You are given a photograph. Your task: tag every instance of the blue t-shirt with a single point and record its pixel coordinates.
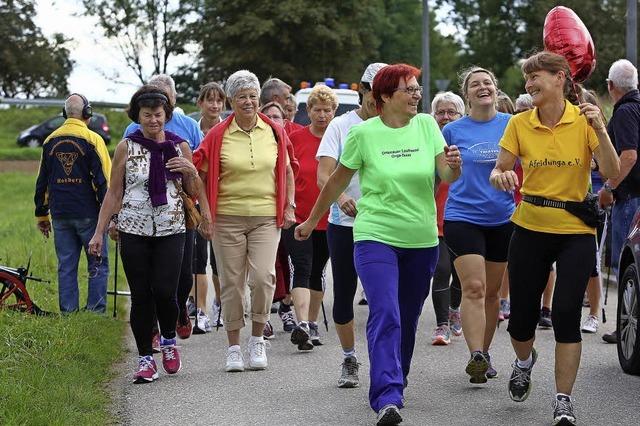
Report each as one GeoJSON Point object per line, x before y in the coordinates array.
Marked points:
{"type": "Point", "coordinates": [180, 124]}
{"type": "Point", "coordinates": [472, 198]}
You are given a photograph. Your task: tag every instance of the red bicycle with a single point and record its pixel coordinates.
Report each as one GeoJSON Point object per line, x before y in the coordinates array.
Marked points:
{"type": "Point", "coordinates": [13, 290]}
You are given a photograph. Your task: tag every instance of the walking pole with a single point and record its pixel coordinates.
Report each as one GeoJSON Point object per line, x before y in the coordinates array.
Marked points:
{"type": "Point", "coordinates": [196, 327]}
{"type": "Point", "coordinates": [602, 252]}
{"type": "Point", "coordinates": [115, 281]}
{"type": "Point", "coordinates": [324, 313]}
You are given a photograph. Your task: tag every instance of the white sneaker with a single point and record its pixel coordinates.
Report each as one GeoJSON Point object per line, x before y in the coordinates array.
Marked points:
{"type": "Point", "coordinates": [235, 362]}
{"type": "Point", "coordinates": [257, 354]}
{"type": "Point", "coordinates": [590, 324]}
{"type": "Point", "coordinates": [215, 314]}
{"type": "Point", "coordinates": [203, 321]}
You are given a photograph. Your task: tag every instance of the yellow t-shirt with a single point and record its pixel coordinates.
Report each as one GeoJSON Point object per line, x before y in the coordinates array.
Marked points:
{"type": "Point", "coordinates": [247, 171]}
{"type": "Point", "coordinates": [556, 164]}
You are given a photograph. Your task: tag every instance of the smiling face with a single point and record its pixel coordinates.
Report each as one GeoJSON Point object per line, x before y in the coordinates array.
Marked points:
{"type": "Point", "coordinates": [152, 120]}
{"type": "Point", "coordinates": [245, 103]}
{"type": "Point", "coordinates": [405, 99]}
{"type": "Point", "coordinates": [481, 90]}
{"type": "Point", "coordinates": [211, 106]}
{"type": "Point", "coordinates": [544, 86]}
{"type": "Point", "coordinates": [320, 114]}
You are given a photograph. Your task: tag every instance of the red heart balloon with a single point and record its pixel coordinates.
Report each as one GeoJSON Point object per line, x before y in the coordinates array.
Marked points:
{"type": "Point", "coordinates": [565, 34]}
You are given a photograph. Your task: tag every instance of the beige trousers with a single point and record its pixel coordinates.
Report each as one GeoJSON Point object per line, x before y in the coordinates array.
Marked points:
{"type": "Point", "coordinates": [245, 248]}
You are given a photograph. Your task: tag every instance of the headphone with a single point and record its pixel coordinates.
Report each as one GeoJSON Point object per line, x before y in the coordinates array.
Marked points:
{"type": "Point", "coordinates": [87, 112]}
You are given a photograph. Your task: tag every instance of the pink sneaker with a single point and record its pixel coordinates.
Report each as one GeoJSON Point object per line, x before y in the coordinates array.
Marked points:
{"type": "Point", "coordinates": [184, 326]}
{"type": "Point", "coordinates": [170, 356]}
{"type": "Point", "coordinates": [147, 370]}
{"type": "Point", "coordinates": [155, 342]}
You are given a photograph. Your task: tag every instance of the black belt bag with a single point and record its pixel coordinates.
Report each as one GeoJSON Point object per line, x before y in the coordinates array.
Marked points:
{"type": "Point", "coordinates": [588, 210]}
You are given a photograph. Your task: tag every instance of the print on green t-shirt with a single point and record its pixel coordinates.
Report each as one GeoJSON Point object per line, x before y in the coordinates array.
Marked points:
{"type": "Point", "coordinates": [397, 171]}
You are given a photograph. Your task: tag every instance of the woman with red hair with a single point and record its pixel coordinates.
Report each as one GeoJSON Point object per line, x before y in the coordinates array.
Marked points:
{"type": "Point", "coordinates": [397, 155]}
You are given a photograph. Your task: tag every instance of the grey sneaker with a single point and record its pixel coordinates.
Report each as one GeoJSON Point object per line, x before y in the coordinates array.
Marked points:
{"type": "Point", "coordinates": [520, 381]}
{"type": "Point", "coordinates": [314, 334]}
{"type": "Point", "coordinates": [491, 372]}
{"type": "Point", "coordinates": [300, 336]}
{"type": "Point", "coordinates": [590, 324]}
{"type": "Point", "coordinates": [477, 368]}
{"type": "Point", "coordinates": [389, 415]}
{"type": "Point", "coordinates": [563, 411]}
{"type": "Point", "coordinates": [349, 376]}
{"type": "Point", "coordinates": [545, 318]}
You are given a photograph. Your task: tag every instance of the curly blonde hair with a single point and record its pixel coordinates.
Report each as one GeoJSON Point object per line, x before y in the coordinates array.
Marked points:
{"type": "Point", "coordinates": [324, 94]}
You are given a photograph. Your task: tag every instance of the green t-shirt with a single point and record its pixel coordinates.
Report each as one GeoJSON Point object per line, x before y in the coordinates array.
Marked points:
{"type": "Point", "coordinates": [397, 171]}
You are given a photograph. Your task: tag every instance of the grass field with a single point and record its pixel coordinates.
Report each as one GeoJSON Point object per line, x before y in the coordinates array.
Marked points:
{"type": "Point", "coordinates": [53, 370]}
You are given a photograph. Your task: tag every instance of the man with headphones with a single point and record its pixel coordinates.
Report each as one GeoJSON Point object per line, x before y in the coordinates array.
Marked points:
{"type": "Point", "coordinates": [72, 182]}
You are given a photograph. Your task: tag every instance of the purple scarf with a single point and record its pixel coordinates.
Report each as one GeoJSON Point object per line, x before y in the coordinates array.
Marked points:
{"type": "Point", "coordinates": [161, 152]}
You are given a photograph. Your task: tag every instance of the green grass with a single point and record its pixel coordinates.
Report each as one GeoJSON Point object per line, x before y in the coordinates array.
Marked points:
{"type": "Point", "coordinates": [53, 370]}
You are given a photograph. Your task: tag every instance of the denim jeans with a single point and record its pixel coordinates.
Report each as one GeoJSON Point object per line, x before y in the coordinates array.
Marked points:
{"type": "Point", "coordinates": [70, 237]}
{"type": "Point", "coordinates": [621, 217]}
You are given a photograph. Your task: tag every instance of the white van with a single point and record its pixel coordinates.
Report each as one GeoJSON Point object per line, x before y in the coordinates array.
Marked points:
{"type": "Point", "coordinates": [347, 100]}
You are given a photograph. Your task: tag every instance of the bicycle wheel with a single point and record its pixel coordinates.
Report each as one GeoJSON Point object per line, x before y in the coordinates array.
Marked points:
{"type": "Point", "coordinates": [13, 294]}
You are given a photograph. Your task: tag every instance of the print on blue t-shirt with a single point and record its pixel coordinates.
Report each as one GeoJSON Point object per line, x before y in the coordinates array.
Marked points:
{"type": "Point", "coordinates": [472, 198]}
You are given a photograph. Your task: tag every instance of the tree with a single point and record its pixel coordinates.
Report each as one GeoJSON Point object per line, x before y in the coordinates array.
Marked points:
{"type": "Point", "coordinates": [139, 25]}
{"type": "Point", "coordinates": [296, 41]}
{"type": "Point", "coordinates": [30, 64]}
{"type": "Point", "coordinates": [497, 34]}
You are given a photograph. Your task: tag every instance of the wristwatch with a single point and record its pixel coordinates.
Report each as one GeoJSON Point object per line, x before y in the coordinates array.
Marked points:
{"type": "Point", "coordinates": [607, 187]}
{"type": "Point", "coordinates": [292, 205]}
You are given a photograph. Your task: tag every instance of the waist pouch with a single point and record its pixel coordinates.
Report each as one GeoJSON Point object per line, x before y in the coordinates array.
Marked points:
{"type": "Point", "coordinates": [587, 210]}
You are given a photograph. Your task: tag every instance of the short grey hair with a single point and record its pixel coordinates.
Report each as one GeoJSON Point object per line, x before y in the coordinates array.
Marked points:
{"type": "Point", "coordinates": [241, 80]}
{"type": "Point", "coordinates": [524, 102]}
{"type": "Point", "coordinates": [73, 106]}
{"type": "Point", "coordinates": [165, 82]}
{"type": "Point", "coordinates": [456, 100]}
{"type": "Point", "coordinates": [623, 75]}
{"type": "Point", "coordinates": [273, 86]}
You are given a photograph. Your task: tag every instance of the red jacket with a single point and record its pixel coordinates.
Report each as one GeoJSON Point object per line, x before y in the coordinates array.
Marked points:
{"type": "Point", "coordinates": [209, 150]}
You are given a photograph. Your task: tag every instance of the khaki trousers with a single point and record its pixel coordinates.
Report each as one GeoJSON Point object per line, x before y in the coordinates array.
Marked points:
{"type": "Point", "coordinates": [245, 248]}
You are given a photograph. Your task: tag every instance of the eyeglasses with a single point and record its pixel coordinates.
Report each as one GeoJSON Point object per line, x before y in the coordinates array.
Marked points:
{"type": "Point", "coordinates": [275, 117]}
{"type": "Point", "coordinates": [447, 112]}
{"type": "Point", "coordinates": [412, 90]}
{"type": "Point", "coordinates": [94, 265]}
{"type": "Point", "coordinates": [243, 98]}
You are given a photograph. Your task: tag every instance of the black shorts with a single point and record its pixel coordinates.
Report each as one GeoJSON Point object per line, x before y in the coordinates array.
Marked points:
{"type": "Point", "coordinates": [490, 242]}
{"type": "Point", "coordinates": [200, 255]}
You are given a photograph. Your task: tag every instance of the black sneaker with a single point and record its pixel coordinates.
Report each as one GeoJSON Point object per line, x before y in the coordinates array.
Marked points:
{"type": "Point", "coordinates": [389, 415]}
{"type": "Point", "coordinates": [349, 376]}
{"type": "Point", "coordinates": [610, 337]}
{"type": "Point", "coordinates": [545, 318]}
{"type": "Point", "coordinates": [520, 381]}
{"type": "Point", "coordinates": [491, 372]}
{"type": "Point", "coordinates": [286, 315]}
{"type": "Point", "coordinates": [300, 337]}
{"type": "Point", "coordinates": [477, 368]}
{"type": "Point", "coordinates": [563, 411]}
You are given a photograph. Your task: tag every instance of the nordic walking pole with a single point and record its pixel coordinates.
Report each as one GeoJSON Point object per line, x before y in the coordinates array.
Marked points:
{"type": "Point", "coordinates": [115, 280]}
{"type": "Point", "coordinates": [601, 251]}
{"type": "Point", "coordinates": [196, 327]}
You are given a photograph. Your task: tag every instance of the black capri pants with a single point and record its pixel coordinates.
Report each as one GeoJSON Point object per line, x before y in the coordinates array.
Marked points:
{"type": "Point", "coordinates": [490, 242]}
{"type": "Point", "coordinates": [152, 266]}
{"type": "Point", "coordinates": [345, 278]}
{"type": "Point", "coordinates": [531, 255]}
{"type": "Point", "coordinates": [200, 255]}
{"type": "Point", "coordinates": [309, 257]}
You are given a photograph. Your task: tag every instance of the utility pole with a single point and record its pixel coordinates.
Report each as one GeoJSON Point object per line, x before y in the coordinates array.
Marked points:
{"type": "Point", "coordinates": [632, 31]}
{"type": "Point", "coordinates": [426, 65]}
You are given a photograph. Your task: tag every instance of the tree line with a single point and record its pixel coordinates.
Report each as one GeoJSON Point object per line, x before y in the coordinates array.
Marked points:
{"type": "Point", "coordinates": [298, 40]}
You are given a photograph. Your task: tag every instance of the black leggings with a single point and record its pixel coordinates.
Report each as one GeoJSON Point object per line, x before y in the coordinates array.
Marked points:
{"type": "Point", "coordinates": [345, 278]}
{"type": "Point", "coordinates": [152, 266]}
{"type": "Point", "coordinates": [443, 294]}
{"type": "Point", "coordinates": [309, 259]}
{"type": "Point", "coordinates": [531, 255]}
{"type": "Point", "coordinates": [185, 282]}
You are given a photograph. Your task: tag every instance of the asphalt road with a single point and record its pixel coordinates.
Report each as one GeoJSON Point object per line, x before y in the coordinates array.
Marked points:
{"type": "Point", "coordinates": [300, 388]}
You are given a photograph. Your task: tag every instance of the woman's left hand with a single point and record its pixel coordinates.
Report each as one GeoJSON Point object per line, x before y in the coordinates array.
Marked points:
{"type": "Point", "coordinates": [206, 228]}
{"type": "Point", "coordinates": [182, 165]}
{"type": "Point", "coordinates": [289, 217]}
{"type": "Point", "coordinates": [593, 115]}
{"type": "Point", "coordinates": [452, 157]}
